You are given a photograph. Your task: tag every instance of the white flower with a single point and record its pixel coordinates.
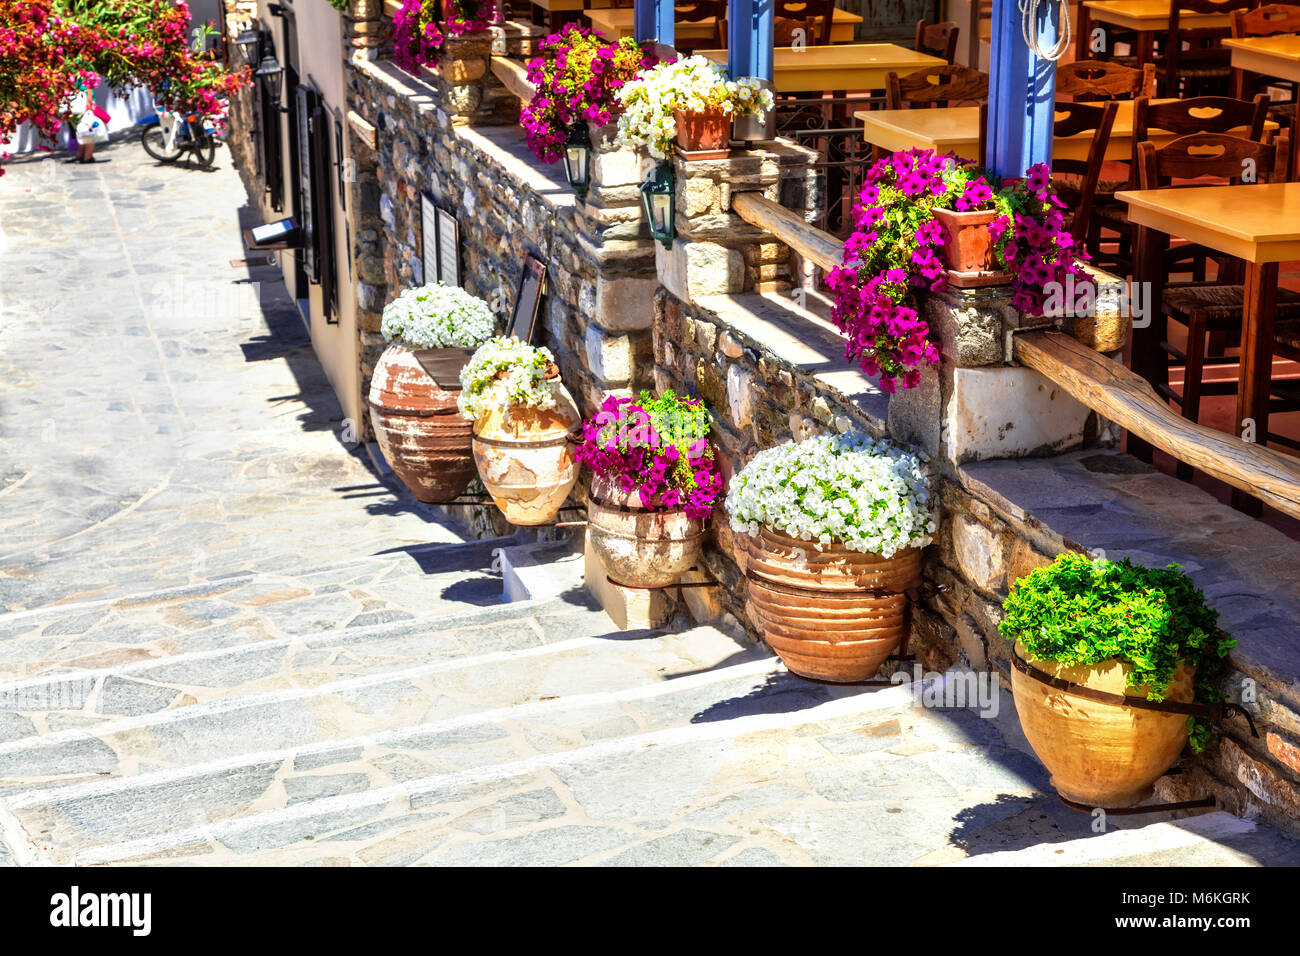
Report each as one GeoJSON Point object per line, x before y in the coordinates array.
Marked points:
{"type": "Point", "coordinates": [438, 316]}
{"type": "Point", "coordinates": [692, 85]}
{"type": "Point", "coordinates": [506, 372]}
{"type": "Point", "coordinates": [868, 494]}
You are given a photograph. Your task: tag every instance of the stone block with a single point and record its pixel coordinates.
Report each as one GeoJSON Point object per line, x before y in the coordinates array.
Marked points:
{"type": "Point", "coordinates": [740, 395]}
{"type": "Point", "coordinates": [617, 167]}
{"type": "Point", "coordinates": [692, 269]}
{"type": "Point", "coordinates": [625, 304]}
{"type": "Point", "coordinates": [608, 356]}
{"type": "Point", "coordinates": [1007, 413]}
{"type": "Point", "coordinates": [978, 549]}
{"type": "Point", "coordinates": [915, 416]}
{"type": "Point", "coordinates": [628, 608]}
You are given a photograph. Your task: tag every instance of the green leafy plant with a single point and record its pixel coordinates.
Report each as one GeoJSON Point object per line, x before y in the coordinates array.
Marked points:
{"type": "Point", "coordinates": [1080, 611]}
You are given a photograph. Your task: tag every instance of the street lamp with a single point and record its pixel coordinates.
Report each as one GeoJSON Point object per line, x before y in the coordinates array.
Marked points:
{"type": "Point", "coordinates": [250, 46]}
{"type": "Point", "coordinates": [270, 71]}
{"type": "Point", "coordinates": [659, 201]}
{"type": "Point", "coordinates": [577, 158]}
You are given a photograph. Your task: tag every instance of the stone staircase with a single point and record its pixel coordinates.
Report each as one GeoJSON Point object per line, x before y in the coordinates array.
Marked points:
{"type": "Point", "coordinates": [393, 710]}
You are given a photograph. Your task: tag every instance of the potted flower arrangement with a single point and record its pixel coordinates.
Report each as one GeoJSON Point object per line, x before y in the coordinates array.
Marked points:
{"type": "Point", "coordinates": [1126, 631]}
{"type": "Point", "coordinates": [690, 102]}
{"type": "Point", "coordinates": [653, 488]}
{"type": "Point", "coordinates": [923, 219]}
{"type": "Point", "coordinates": [525, 422]}
{"type": "Point", "coordinates": [415, 416]}
{"type": "Point", "coordinates": [419, 33]}
{"type": "Point", "coordinates": [832, 530]}
{"type": "Point", "coordinates": [576, 78]}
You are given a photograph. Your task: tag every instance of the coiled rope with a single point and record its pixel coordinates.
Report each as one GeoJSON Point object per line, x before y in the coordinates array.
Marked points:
{"type": "Point", "coordinates": [1029, 29]}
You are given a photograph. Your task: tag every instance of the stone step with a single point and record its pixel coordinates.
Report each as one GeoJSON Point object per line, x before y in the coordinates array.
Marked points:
{"type": "Point", "coordinates": [408, 585]}
{"type": "Point", "coordinates": [579, 653]}
{"type": "Point", "coordinates": [691, 754]}
{"type": "Point", "coordinates": [1209, 839]}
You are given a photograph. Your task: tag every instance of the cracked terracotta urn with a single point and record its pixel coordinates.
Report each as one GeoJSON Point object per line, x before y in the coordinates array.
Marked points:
{"type": "Point", "coordinates": [832, 615]}
{"type": "Point", "coordinates": [640, 547]}
{"type": "Point", "coordinates": [525, 457]}
{"type": "Point", "coordinates": [421, 434]}
{"type": "Point", "coordinates": [1099, 754]}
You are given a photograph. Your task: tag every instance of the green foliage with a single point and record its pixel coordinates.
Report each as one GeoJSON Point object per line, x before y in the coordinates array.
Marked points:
{"type": "Point", "coordinates": [1080, 611]}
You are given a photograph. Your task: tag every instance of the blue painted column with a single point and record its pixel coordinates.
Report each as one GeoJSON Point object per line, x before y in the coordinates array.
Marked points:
{"type": "Point", "coordinates": [749, 38]}
{"type": "Point", "coordinates": [653, 21]}
{"type": "Point", "coordinates": [1022, 90]}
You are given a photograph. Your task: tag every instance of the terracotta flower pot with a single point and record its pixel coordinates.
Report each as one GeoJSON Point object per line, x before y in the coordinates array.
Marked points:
{"type": "Point", "coordinates": [832, 615]}
{"type": "Point", "coordinates": [640, 547]}
{"type": "Point", "coordinates": [968, 250]}
{"type": "Point", "coordinates": [525, 458]}
{"type": "Point", "coordinates": [1099, 754]}
{"type": "Point", "coordinates": [418, 428]}
{"type": "Point", "coordinates": [703, 133]}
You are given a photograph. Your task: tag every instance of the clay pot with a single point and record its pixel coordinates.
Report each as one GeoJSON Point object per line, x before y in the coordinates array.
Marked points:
{"type": "Point", "coordinates": [422, 435]}
{"type": "Point", "coordinates": [703, 133]}
{"type": "Point", "coordinates": [968, 251]}
{"type": "Point", "coordinates": [525, 458]}
{"type": "Point", "coordinates": [834, 614]}
{"type": "Point", "coordinates": [640, 547]}
{"type": "Point", "coordinates": [1099, 755]}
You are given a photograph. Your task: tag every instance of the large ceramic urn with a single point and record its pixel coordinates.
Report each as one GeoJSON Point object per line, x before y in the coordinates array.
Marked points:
{"type": "Point", "coordinates": [419, 430]}
{"type": "Point", "coordinates": [834, 614]}
{"type": "Point", "coordinates": [1100, 754]}
{"type": "Point", "coordinates": [637, 546]}
{"type": "Point", "coordinates": [525, 457]}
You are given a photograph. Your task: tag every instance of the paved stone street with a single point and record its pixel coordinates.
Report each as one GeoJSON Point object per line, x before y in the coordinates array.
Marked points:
{"type": "Point", "coordinates": [224, 641]}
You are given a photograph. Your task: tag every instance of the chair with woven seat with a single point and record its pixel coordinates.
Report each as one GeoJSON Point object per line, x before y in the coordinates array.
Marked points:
{"type": "Point", "coordinates": [1075, 180]}
{"type": "Point", "coordinates": [1272, 19]}
{"type": "Point", "coordinates": [697, 11]}
{"type": "Point", "coordinates": [937, 39]}
{"type": "Point", "coordinates": [1207, 308]}
{"type": "Point", "coordinates": [1206, 65]}
{"type": "Point", "coordinates": [933, 87]}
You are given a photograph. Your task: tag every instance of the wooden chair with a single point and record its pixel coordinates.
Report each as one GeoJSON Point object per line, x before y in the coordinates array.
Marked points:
{"type": "Point", "coordinates": [697, 11]}
{"type": "Point", "coordinates": [937, 39]}
{"type": "Point", "coordinates": [1075, 180]}
{"type": "Point", "coordinates": [1206, 308]}
{"type": "Point", "coordinates": [1090, 81]}
{"type": "Point", "coordinates": [936, 86]}
{"type": "Point", "coordinates": [1270, 20]}
{"type": "Point", "coordinates": [814, 17]}
{"type": "Point", "coordinates": [1205, 65]}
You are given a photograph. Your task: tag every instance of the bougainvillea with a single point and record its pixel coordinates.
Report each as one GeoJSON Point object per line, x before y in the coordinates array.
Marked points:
{"type": "Point", "coordinates": [576, 78]}
{"type": "Point", "coordinates": [657, 447]}
{"type": "Point", "coordinates": [896, 248]}
{"type": "Point", "coordinates": [420, 29]}
{"type": "Point", "coordinates": [51, 49]}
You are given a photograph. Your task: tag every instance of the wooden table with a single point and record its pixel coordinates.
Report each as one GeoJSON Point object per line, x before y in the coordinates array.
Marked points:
{"type": "Point", "coordinates": [955, 129]}
{"type": "Point", "coordinates": [1258, 223]}
{"type": "Point", "coordinates": [1272, 56]}
{"type": "Point", "coordinates": [616, 23]}
{"type": "Point", "coordinates": [1146, 18]}
{"type": "Point", "coordinates": [844, 66]}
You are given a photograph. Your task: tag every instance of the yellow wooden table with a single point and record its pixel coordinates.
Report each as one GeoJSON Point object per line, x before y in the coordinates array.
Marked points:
{"type": "Point", "coordinates": [1272, 56]}
{"type": "Point", "coordinates": [1258, 223]}
{"type": "Point", "coordinates": [616, 23]}
{"type": "Point", "coordinates": [1146, 18]}
{"type": "Point", "coordinates": [956, 129]}
{"type": "Point", "coordinates": [843, 66]}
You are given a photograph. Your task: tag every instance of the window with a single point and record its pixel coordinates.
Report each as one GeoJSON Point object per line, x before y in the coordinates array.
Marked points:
{"type": "Point", "coordinates": [316, 195]}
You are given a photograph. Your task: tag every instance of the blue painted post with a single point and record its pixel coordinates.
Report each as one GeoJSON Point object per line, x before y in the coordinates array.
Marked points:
{"type": "Point", "coordinates": [653, 21]}
{"type": "Point", "coordinates": [749, 38]}
{"type": "Point", "coordinates": [1022, 90]}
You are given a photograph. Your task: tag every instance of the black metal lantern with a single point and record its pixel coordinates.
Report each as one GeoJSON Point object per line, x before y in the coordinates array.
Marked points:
{"type": "Point", "coordinates": [659, 201]}
{"type": "Point", "coordinates": [577, 158]}
{"type": "Point", "coordinates": [250, 46]}
{"type": "Point", "coordinates": [270, 71]}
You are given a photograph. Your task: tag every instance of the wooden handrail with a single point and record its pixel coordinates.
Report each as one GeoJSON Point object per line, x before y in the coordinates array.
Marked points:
{"type": "Point", "coordinates": [514, 77]}
{"type": "Point", "coordinates": [820, 248]}
{"type": "Point", "coordinates": [1129, 401]}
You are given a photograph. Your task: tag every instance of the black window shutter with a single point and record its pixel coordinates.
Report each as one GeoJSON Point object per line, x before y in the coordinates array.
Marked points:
{"type": "Point", "coordinates": [272, 150]}
{"type": "Point", "coordinates": [306, 108]}
{"type": "Point", "coordinates": [323, 214]}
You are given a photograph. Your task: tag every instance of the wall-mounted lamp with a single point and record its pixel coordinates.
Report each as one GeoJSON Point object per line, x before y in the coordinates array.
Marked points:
{"type": "Point", "coordinates": [659, 201]}
{"type": "Point", "coordinates": [577, 158]}
{"type": "Point", "coordinates": [270, 72]}
{"type": "Point", "coordinates": [250, 46]}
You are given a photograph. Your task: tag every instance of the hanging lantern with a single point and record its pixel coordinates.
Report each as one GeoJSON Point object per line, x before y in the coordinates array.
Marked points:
{"type": "Point", "coordinates": [250, 46]}
{"type": "Point", "coordinates": [271, 72]}
{"type": "Point", "coordinates": [577, 158]}
{"type": "Point", "coordinates": [659, 201]}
